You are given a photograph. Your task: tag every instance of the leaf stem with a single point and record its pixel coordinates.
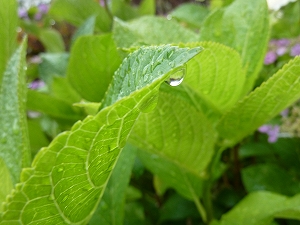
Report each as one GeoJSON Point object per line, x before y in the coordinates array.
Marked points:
{"type": "Point", "coordinates": [200, 209]}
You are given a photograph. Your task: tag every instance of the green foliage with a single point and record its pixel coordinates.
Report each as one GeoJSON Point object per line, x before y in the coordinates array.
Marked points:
{"type": "Point", "coordinates": [244, 26]}
{"type": "Point", "coordinates": [143, 119]}
{"type": "Point", "coordinates": [8, 32]}
{"type": "Point", "coordinates": [74, 169]}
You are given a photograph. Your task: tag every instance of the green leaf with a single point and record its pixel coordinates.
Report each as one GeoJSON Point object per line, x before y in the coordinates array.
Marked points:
{"type": "Point", "coordinates": [6, 182]}
{"type": "Point", "coordinates": [261, 208]}
{"type": "Point", "coordinates": [77, 12]}
{"type": "Point", "coordinates": [63, 90]}
{"type": "Point", "coordinates": [287, 24]}
{"type": "Point", "coordinates": [14, 148]}
{"type": "Point", "coordinates": [124, 10]}
{"type": "Point", "coordinates": [52, 106]}
{"type": "Point", "coordinates": [269, 177]}
{"type": "Point", "coordinates": [147, 7]}
{"type": "Point", "coordinates": [191, 14]}
{"type": "Point", "coordinates": [150, 30]}
{"type": "Point", "coordinates": [244, 26]}
{"type": "Point", "coordinates": [8, 32]}
{"type": "Point", "coordinates": [176, 143]}
{"type": "Point", "coordinates": [176, 208]}
{"type": "Point", "coordinates": [68, 178]}
{"type": "Point", "coordinates": [265, 102]}
{"type": "Point", "coordinates": [216, 75]}
{"type": "Point", "coordinates": [93, 61]}
{"type": "Point", "coordinates": [87, 28]}
{"type": "Point", "coordinates": [110, 210]}
{"type": "Point", "coordinates": [52, 40]}
{"type": "Point", "coordinates": [53, 64]}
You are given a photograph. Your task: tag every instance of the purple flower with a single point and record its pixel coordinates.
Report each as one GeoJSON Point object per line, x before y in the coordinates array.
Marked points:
{"type": "Point", "coordinates": [285, 113]}
{"type": "Point", "coordinates": [295, 50]}
{"type": "Point", "coordinates": [283, 42]}
{"type": "Point", "coordinates": [270, 58]}
{"type": "Point", "coordinates": [36, 84]}
{"type": "Point", "coordinates": [43, 8]}
{"type": "Point", "coordinates": [271, 131]}
{"type": "Point", "coordinates": [281, 51]}
{"type": "Point", "coordinates": [22, 12]}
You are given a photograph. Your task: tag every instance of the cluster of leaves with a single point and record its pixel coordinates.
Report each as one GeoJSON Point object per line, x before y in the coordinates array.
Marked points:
{"type": "Point", "coordinates": [125, 124]}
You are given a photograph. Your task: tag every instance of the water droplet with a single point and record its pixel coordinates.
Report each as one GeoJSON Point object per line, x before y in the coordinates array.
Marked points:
{"type": "Point", "coordinates": [177, 76]}
{"type": "Point", "coordinates": [149, 104]}
{"type": "Point", "coordinates": [169, 17]}
{"type": "Point", "coordinates": [172, 64]}
{"type": "Point", "coordinates": [65, 198]}
{"type": "Point", "coordinates": [15, 127]}
{"type": "Point", "coordinates": [60, 169]}
{"type": "Point", "coordinates": [19, 187]}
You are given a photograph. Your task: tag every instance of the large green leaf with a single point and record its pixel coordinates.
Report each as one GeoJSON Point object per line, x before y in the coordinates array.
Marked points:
{"type": "Point", "coordinates": [265, 102]}
{"type": "Point", "coordinates": [150, 30]}
{"type": "Point", "coordinates": [110, 210]}
{"type": "Point", "coordinates": [14, 148]}
{"type": "Point", "coordinates": [261, 207]}
{"type": "Point", "coordinates": [77, 12]}
{"type": "Point", "coordinates": [93, 61]}
{"type": "Point", "coordinates": [244, 26]}
{"type": "Point", "coordinates": [8, 32]}
{"type": "Point", "coordinates": [67, 179]}
{"type": "Point", "coordinates": [216, 75]}
{"type": "Point", "coordinates": [176, 143]}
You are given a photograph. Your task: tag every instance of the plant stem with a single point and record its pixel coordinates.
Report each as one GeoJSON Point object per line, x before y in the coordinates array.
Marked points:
{"type": "Point", "coordinates": [200, 209]}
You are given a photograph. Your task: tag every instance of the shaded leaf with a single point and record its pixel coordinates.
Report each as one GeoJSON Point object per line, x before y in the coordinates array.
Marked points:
{"type": "Point", "coordinates": [261, 208]}
{"type": "Point", "coordinates": [269, 177]}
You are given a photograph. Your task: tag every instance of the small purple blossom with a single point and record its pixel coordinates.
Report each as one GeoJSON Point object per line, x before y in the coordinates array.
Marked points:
{"type": "Point", "coordinates": [270, 57]}
{"type": "Point", "coordinates": [36, 84]}
{"type": "Point", "coordinates": [295, 50]}
{"type": "Point", "coordinates": [43, 8]}
{"type": "Point", "coordinates": [281, 51]}
{"type": "Point", "coordinates": [285, 113]}
{"type": "Point", "coordinates": [283, 42]}
{"type": "Point", "coordinates": [271, 130]}
{"type": "Point", "coordinates": [22, 12]}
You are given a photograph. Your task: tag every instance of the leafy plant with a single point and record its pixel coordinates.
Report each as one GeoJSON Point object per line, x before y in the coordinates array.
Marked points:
{"type": "Point", "coordinates": [140, 99]}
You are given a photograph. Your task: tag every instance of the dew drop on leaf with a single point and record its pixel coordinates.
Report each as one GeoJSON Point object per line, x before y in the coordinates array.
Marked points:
{"type": "Point", "coordinates": [177, 76]}
{"type": "Point", "coordinates": [60, 169]}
